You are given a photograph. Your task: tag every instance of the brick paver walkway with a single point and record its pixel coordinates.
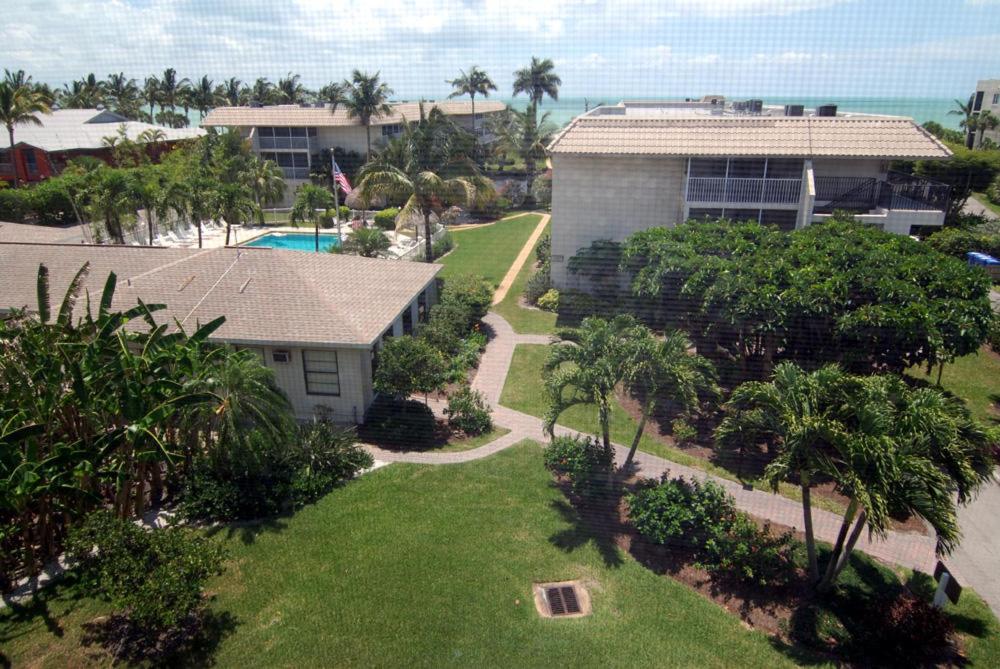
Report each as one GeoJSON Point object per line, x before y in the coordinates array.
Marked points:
{"type": "Point", "coordinates": [912, 550]}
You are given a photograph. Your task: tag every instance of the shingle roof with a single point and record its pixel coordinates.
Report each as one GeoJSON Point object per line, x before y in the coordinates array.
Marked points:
{"type": "Point", "coordinates": [267, 295]}
{"type": "Point", "coordinates": [41, 234]}
{"type": "Point", "coordinates": [297, 116]}
{"type": "Point", "coordinates": [805, 137]}
{"type": "Point", "coordinates": [68, 129]}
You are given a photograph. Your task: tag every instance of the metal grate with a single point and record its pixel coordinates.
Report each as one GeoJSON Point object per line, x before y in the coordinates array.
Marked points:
{"type": "Point", "coordinates": [562, 600]}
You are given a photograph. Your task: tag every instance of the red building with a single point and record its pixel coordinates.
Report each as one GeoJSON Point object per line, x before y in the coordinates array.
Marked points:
{"type": "Point", "coordinates": [41, 151]}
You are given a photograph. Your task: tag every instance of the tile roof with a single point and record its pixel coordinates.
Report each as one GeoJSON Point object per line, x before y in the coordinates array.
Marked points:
{"type": "Point", "coordinates": [42, 234]}
{"type": "Point", "coordinates": [68, 129]}
{"type": "Point", "coordinates": [298, 116]}
{"type": "Point", "coordinates": [267, 295]}
{"type": "Point", "coordinates": [805, 137]}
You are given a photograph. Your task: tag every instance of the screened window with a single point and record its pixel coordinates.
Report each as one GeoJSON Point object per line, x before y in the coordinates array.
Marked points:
{"type": "Point", "coordinates": [283, 138]}
{"type": "Point", "coordinates": [322, 373]}
{"type": "Point", "coordinates": [422, 306]}
{"type": "Point", "coordinates": [294, 165]}
{"type": "Point", "coordinates": [784, 168]}
{"type": "Point", "coordinates": [708, 167]}
{"type": "Point", "coordinates": [407, 321]}
{"type": "Point", "coordinates": [391, 129]}
{"type": "Point", "coordinates": [746, 168]}
{"type": "Point", "coordinates": [30, 161]}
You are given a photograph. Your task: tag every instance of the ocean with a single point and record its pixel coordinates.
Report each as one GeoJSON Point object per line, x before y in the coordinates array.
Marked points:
{"type": "Point", "coordinates": [920, 110]}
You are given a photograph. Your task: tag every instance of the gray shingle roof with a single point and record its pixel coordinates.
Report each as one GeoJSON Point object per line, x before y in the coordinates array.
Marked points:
{"type": "Point", "coordinates": [800, 137]}
{"type": "Point", "coordinates": [68, 129]}
{"type": "Point", "coordinates": [41, 234]}
{"type": "Point", "coordinates": [297, 116]}
{"type": "Point", "coordinates": [266, 295]}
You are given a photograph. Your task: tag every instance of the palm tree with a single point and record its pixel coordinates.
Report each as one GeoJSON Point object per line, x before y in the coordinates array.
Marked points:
{"type": "Point", "coordinates": [587, 368]}
{"type": "Point", "coordinates": [265, 180]}
{"type": "Point", "coordinates": [110, 197]}
{"type": "Point", "coordinates": [524, 134]}
{"type": "Point", "coordinates": [964, 109]}
{"type": "Point", "coordinates": [123, 94]}
{"type": "Point", "coordinates": [365, 242]}
{"type": "Point", "coordinates": [311, 202]}
{"type": "Point", "coordinates": [367, 98]}
{"type": "Point", "coordinates": [290, 90]}
{"type": "Point", "coordinates": [20, 104]}
{"type": "Point", "coordinates": [231, 91]}
{"type": "Point", "coordinates": [333, 94]}
{"type": "Point", "coordinates": [798, 412]}
{"type": "Point", "coordinates": [151, 95]}
{"type": "Point", "coordinates": [538, 80]}
{"type": "Point", "coordinates": [475, 82]}
{"type": "Point", "coordinates": [985, 121]}
{"type": "Point", "coordinates": [262, 91]}
{"type": "Point", "coordinates": [204, 96]}
{"type": "Point", "coordinates": [86, 93]}
{"type": "Point", "coordinates": [147, 185]}
{"type": "Point", "coordinates": [428, 170]}
{"type": "Point", "coordinates": [234, 203]}
{"type": "Point", "coordinates": [172, 88]}
{"type": "Point", "coordinates": [658, 371]}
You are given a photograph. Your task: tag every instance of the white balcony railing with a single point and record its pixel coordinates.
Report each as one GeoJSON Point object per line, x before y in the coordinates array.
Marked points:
{"type": "Point", "coordinates": [743, 190]}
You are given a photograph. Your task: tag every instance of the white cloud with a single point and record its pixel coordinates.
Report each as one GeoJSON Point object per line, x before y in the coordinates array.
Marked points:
{"type": "Point", "coordinates": [783, 58]}
{"type": "Point", "coordinates": [736, 8]}
{"type": "Point", "coordinates": [706, 59]}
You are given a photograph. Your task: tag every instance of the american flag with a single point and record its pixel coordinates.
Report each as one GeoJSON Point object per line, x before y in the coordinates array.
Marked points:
{"type": "Point", "coordinates": [341, 179]}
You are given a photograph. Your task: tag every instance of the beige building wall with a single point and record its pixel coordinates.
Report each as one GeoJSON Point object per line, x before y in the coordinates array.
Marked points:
{"type": "Point", "coordinates": [610, 198]}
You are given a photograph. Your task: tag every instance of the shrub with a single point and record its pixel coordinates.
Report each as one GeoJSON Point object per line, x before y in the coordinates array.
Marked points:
{"type": "Point", "coordinates": [515, 193]}
{"type": "Point", "coordinates": [408, 365]}
{"type": "Point", "coordinates": [469, 411]}
{"type": "Point", "coordinates": [324, 456]}
{"type": "Point", "coordinates": [13, 205]}
{"type": "Point", "coordinates": [326, 221]}
{"type": "Point", "coordinates": [472, 291]}
{"type": "Point", "coordinates": [465, 356]}
{"type": "Point", "coordinates": [582, 460]}
{"type": "Point", "coordinates": [153, 578]}
{"type": "Point", "coordinates": [993, 192]}
{"type": "Point", "coordinates": [344, 212]}
{"type": "Point", "coordinates": [400, 423]}
{"type": "Point", "coordinates": [443, 245]}
{"type": "Point", "coordinates": [447, 327]}
{"type": "Point", "coordinates": [538, 284]}
{"type": "Point", "coordinates": [386, 219]}
{"type": "Point", "coordinates": [957, 242]}
{"type": "Point", "coordinates": [703, 518]}
{"type": "Point", "coordinates": [549, 301]}
{"type": "Point", "coordinates": [904, 631]}
{"type": "Point", "coordinates": [543, 251]}
{"type": "Point", "coordinates": [993, 336]}
{"type": "Point", "coordinates": [542, 191]}
{"type": "Point", "coordinates": [683, 432]}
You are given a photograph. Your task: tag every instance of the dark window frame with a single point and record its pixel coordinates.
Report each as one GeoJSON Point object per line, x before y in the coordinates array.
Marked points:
{"type": "Point", "coordinates": [306, 372]}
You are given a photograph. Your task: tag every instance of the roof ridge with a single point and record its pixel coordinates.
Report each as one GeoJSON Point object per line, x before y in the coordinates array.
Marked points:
{"type": "Point", "coordinates": [183, 259]}
{"type": "Point", "coordinates": [293, 263]}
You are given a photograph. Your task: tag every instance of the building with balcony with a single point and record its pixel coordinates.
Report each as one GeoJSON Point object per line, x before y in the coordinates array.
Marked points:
{"type": "Point", "coordinates": [41, 151]}
{"type": "Point", "coordinates": [624, 168]}
{"type": "Point", "coordinates": [293, 136]}
{"type": "Point", "coordinates": [987, 99]}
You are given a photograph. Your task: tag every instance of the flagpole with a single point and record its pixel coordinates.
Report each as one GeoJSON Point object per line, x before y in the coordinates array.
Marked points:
{"type": "Point", "coordinates": [336, 199]}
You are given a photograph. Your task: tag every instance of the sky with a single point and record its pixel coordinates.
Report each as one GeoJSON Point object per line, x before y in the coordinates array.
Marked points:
{"type": "Point", "coordinates": [640, 48]}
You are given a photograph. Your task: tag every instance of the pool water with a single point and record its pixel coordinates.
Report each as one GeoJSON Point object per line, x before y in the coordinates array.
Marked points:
{"type": "Point", "coordinates": [295, 241]}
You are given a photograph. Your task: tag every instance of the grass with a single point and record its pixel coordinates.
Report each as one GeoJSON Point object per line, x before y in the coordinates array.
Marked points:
{"type": "Point", "coordinates": [490, 250]}
{"type": "Point", "coordinates": [424, 566]}
{"type": "Point", "coordinates": [976, 379]}
{"type": "Point", "coordinates": [986, 202]}
{"type": "Point", "coordinates": [469, 443]}
{"type": "Point", "coordinates": [526, 321]}
{"type": "Point", "coordinates": [524, 391]}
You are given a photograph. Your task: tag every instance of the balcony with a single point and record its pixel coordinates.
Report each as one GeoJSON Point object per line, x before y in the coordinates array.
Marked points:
{"type": "Point", "coordinates": [743, 190]}
{"type": "Point", "coordinates": [283, 142]}
{"type": "Point", "coordinates": [899, 191]}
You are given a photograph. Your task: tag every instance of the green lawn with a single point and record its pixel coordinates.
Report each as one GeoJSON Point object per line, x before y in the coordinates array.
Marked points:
{"type": "Point", "coordinates": [976, 379]}
{"type": "Point", "coordinates": [525, 321]}
{"type": "Point", "coordinates": [423, 566]}
{"type": "Point", "coordinates": [524, 390]}
{"type": "Point", "coordinates": [490, 250]}
{"type": "Point", "coordinates": [469, 443]}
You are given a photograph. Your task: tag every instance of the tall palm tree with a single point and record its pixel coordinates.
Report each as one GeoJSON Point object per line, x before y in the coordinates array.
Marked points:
{"type": "Point", "coordinates": [524, 134]}
{"type": "Point", "coordinates": [587, 368]}
{"type": "Point", "coordinates": [658, 371]}
{"type": "Point", "coordinates": [171, 88]}
{"type": "Point", "coordinates": [231, 91]}
{"type": "Point", "coordinates": [311, 202]}
{"type": "Point", "coordinates": [475, 82]}
{"type": "Point", "coordinates": [20, 104]}
{"type": "Point", "coordinates": [86, 93]}
{"type": "Point", "coordinates": [985, 121]}
{"type": "Point", "coordinates": [333, 94]}
{"type": "Point", "coordinates": [110, 197]}
{"type": "Point", "coordinates": [123, 95]}
{"type": "Point", "coordinates": [964, 109]}
{"type": "Point", "coordinates": [147, 185]}
{"type": "Point", "coordinates": [262, 91]}
{"type": "Point", "coordinates": [151, 95]}
{"type": "Point", "coordinates": [428, 170]}
{"type": "Point", "coordinates": [290, 90]}
{"type": "Point", "coordinates": [367, 98]}
{"type": "Point", "coordinates": [234, 203]}
{"type": "Point", "coordinates": [265, 180]}
{"type": "Point", "coordinates": [204, 96]}
{"type": "Point", "coordinates": [538, 80]}
{"type": "Point", "coordinates": [798, 412]}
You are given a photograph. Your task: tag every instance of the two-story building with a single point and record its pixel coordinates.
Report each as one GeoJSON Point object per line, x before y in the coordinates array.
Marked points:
{"type": "Point", "coordinates": [624, 168]}
{"type": "Point", "coordinates": [293, 136]}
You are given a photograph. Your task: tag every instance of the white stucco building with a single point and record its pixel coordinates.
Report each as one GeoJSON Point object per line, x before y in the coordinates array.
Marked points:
{"type": "Point", "coordinates": [294, 135]}
{"type": "Point", "coordinates": [987, 98]}
{"type": "Point", "coordinates": [316, 319]}
{"type": "Point", "coordinates": [624, 168]}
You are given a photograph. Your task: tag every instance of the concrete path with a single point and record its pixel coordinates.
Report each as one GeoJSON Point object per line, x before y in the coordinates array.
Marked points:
{"type": "Point", "coordinates": [974, 206]}
{"type": "Point", "coordinates": [906, 549]}
{"type": "Point", "coordinates": [522, 257]}
{"type": "Point", "coordinates": [976, 561]}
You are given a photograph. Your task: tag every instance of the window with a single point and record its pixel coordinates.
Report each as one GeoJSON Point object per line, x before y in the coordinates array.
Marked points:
{"type": "Point", "coordinates": [996, 98]}
{"type": "Point", "coordinates": [784, 168]}
{"type": "Point", "coordinates": [30, 161]}
{"type": "Point", "coordinates": [407, 321]}
{"type": "Point", "coordinates": [322, 373]}
{"type": "Point", "coordinates": [284, 138]}
{"type": "Point", "coordinates": [746, 168]}
{"type": "Point", "coordinates": [708, 167]}
{"type": "Point", "coordinates": [295, 165]}
{"type": "Point", "coordinates": [979, 101]}
{"type": "Point", "coordinates": [422, 306]}
{"type": "Point", "coordinates": [391, 129]}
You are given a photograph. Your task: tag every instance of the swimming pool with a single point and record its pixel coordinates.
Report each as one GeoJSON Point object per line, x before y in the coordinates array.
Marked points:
{"type": "Point", "coordinates": [295, 241]}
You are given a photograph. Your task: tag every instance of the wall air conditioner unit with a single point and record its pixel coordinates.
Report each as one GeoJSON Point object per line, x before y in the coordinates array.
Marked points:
{"type": "Point", "coordinates": [281, 355]}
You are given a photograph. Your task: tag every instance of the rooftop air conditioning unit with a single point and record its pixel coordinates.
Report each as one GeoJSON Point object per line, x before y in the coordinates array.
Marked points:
{"type": "Point", "coordinates": [794, 110]}
{"type": "Point", "coordinates": [281, 355]}
{"type": "Point", "coordinates": [826, 110]}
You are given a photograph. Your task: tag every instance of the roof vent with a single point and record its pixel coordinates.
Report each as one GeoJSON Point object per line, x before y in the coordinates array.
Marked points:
{"type": "Point", "coordinates": [794, 110]}
{"type": "Point", "coordinates": [565, 599]}
{"type": "Point", "coordinates": [826, 110]}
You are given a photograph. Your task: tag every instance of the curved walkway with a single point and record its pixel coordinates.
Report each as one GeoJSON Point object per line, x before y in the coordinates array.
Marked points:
{"type": "Point", "coordinates": [910, 550]}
